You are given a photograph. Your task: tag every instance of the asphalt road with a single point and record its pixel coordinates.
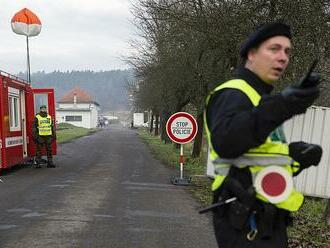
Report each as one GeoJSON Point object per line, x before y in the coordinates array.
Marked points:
{"type": "Point", "coordinates": [106, 191]}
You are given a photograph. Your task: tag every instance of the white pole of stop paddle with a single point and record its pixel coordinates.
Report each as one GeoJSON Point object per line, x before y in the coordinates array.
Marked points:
{"type": "Point", "coordinates": [181, 161]}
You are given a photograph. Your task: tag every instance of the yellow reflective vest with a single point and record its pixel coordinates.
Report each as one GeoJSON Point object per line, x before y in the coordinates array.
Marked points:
{"type": "Point", "coordinates": [44, 125]}
{"type": "Point", "coordinates": [268, 153]}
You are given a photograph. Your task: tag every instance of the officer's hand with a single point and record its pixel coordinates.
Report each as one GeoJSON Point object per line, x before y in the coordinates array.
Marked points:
{"type": "Point", "coordinates": [298, 99]}
{"type": "Point", "coordinates": [313, 80]}
{"type": "Point", "coordinates": [306, 154]}
{"type": "Point", "coordinates": [245, 195]}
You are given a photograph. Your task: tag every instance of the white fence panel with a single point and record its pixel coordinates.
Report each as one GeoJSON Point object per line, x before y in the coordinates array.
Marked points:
{"type": "Point", "coordinates": [313, 127]}
{"type": "Point", "coordinates": [138, 119]}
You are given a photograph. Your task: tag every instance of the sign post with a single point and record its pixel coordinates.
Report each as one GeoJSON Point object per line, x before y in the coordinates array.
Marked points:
{"type": "Point", "coordinates": [181, 128]}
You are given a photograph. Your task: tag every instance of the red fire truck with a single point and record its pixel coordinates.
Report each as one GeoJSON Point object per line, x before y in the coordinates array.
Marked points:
{"type": "Point", "coordinates": [19, 103]}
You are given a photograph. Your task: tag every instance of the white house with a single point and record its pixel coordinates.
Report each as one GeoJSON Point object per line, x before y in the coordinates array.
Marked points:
{"type": "Point", "coordinates": [77, 108]}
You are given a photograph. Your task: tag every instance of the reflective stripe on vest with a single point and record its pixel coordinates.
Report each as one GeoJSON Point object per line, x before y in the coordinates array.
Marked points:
{"type": "Point", "coordinates": [253, 159]}
{"type": "Point", "coordinates": [269, 153]}
{"type": "Point", "coordinates": [44, 125]}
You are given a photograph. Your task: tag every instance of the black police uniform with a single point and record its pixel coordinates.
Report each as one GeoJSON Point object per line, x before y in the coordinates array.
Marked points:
{"type": "Point", "coordinates": [234, 130]}
{"type": "Point", "coordinates": [237, 126]}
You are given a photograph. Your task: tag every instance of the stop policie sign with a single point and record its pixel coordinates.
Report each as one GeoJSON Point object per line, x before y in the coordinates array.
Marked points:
{"type": "Point", "coordinates": [181, 127]}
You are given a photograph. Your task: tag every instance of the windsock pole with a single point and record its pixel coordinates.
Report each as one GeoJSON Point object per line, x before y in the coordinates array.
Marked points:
{"type": "Point", "coordinates": [28, 60]}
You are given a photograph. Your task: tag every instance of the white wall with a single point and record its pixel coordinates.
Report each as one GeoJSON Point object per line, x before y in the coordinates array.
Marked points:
{"type": "Point", "coordinates": [138, 119]}
{"type": "Point", "coordinates": [94, 115]}
{"type": "Point", "coordinates": [89, 116]}
{"type": "Point", "coordinates": [60, 118]}
{"type": "Point", "coordinates": [72, 105]}
{"type": "Point", "coordinates": [313, 127]}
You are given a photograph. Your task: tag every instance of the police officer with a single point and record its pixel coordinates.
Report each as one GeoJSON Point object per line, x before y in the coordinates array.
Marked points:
{"type": "Point", "coordinates": [43, 135]}
{"type": "Point", "coordinates": [243, 124]}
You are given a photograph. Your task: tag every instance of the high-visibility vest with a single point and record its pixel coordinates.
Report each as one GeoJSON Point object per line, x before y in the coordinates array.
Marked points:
{"type": "Point", "coordinates": [269, 153]}
{"type": "Point", "coordinates": [44, 125]}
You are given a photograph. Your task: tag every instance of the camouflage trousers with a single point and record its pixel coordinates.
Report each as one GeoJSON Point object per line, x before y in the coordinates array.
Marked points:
{"type": "Point", "coordinates": [41, 142]}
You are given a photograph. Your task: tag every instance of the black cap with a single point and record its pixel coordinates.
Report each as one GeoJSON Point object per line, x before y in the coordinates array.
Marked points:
{"type": "Point", "coordinates": [43, 107]}
{"type": "Point", "coordinates": [263, 33]}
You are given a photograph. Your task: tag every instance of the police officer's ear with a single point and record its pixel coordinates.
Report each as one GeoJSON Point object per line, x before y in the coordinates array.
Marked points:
{"type": "Point", "coordinates": [251, 54]}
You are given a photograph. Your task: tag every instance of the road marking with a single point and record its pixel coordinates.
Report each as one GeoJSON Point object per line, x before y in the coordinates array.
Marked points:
{"type": "Point", "coordinates": [149, 188]}
{"type": "Point", "coordinates": [6, 227]}
{"type": "Point", "coordinates": [70, 181]}
{"type": "Point", "coordinates": [143, 230]}
{"type": "Point", "coordinates": [150, 184]}
{"type": "Point", "coordinates": [102, 164]}
{"type": "Point", "coordinates": [18, 210]}
{"type": "Point", "coordinates": [154, 214]}
{"type": "Point", "coordinates": [104, 215]}
{"type": "Point", "coordinates": [59, 185]}
{"type": "Point", "coordinates": [33, 214]}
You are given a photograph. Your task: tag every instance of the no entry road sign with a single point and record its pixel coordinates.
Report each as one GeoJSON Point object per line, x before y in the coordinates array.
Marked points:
{"type": "Point", "coordinates": [181, 127]}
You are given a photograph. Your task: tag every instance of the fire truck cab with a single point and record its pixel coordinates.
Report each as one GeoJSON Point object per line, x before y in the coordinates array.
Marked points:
{"type": "Point", "coordinates": [19, 103]}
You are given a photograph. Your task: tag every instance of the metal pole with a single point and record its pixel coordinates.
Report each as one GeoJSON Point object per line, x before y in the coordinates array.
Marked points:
{"type": "Point", "coordinates": [28, 60]}
{"type": "Point", "coordinates": [181, 161]}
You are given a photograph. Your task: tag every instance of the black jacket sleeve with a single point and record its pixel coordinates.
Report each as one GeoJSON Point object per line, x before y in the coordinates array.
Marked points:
{"type": "Point", "coordinates": [236, 125]}
{"type": "Point", "coordinates": [35, 132]}
{"type": "Point", "coordinates": [53, 129]}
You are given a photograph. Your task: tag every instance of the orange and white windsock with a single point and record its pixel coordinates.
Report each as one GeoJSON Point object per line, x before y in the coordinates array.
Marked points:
{"type": "Point", "coordinates": [25, 22]}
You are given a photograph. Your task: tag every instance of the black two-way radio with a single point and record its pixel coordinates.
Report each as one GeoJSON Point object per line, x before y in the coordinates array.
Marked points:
{"type": "Point", "coordinates": [311, 79]}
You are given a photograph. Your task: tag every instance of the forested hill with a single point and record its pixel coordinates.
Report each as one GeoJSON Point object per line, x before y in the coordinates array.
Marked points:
{"type": "Point", "coordinates": [105, 87]}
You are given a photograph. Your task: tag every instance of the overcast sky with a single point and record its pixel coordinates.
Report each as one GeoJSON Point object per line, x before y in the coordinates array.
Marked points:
{"type": "Point", "coordinates": [75, 35]}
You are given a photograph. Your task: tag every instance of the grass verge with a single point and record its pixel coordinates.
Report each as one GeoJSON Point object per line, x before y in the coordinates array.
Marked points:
{"type": "Point", "coordinates": [308, 230]}
{"type": "Point", "coordinates": [66, 132]}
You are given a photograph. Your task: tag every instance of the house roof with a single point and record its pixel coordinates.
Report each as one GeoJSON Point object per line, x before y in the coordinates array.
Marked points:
{"type": "Point", "coordinates": [81, 96]}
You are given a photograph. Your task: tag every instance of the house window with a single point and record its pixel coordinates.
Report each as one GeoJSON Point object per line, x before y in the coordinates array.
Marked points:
{"type": "Point", "coordinates": [73, 118]}
{"type": "Point", "coordinates": [14, 110]}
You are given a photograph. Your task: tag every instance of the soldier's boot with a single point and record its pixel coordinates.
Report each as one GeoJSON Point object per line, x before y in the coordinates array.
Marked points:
{"type": "Point", "coordinates": [50, 164]}
{"type": "Point", "coordinates": [36, 164]}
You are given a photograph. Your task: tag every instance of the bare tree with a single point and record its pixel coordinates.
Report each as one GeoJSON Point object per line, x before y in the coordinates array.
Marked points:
{"type": "Point", "coordinates": [191, 46]}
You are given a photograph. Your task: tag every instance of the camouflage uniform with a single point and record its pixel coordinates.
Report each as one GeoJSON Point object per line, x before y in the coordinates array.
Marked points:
{"type": "Point", "coordinates": [43, 140]}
